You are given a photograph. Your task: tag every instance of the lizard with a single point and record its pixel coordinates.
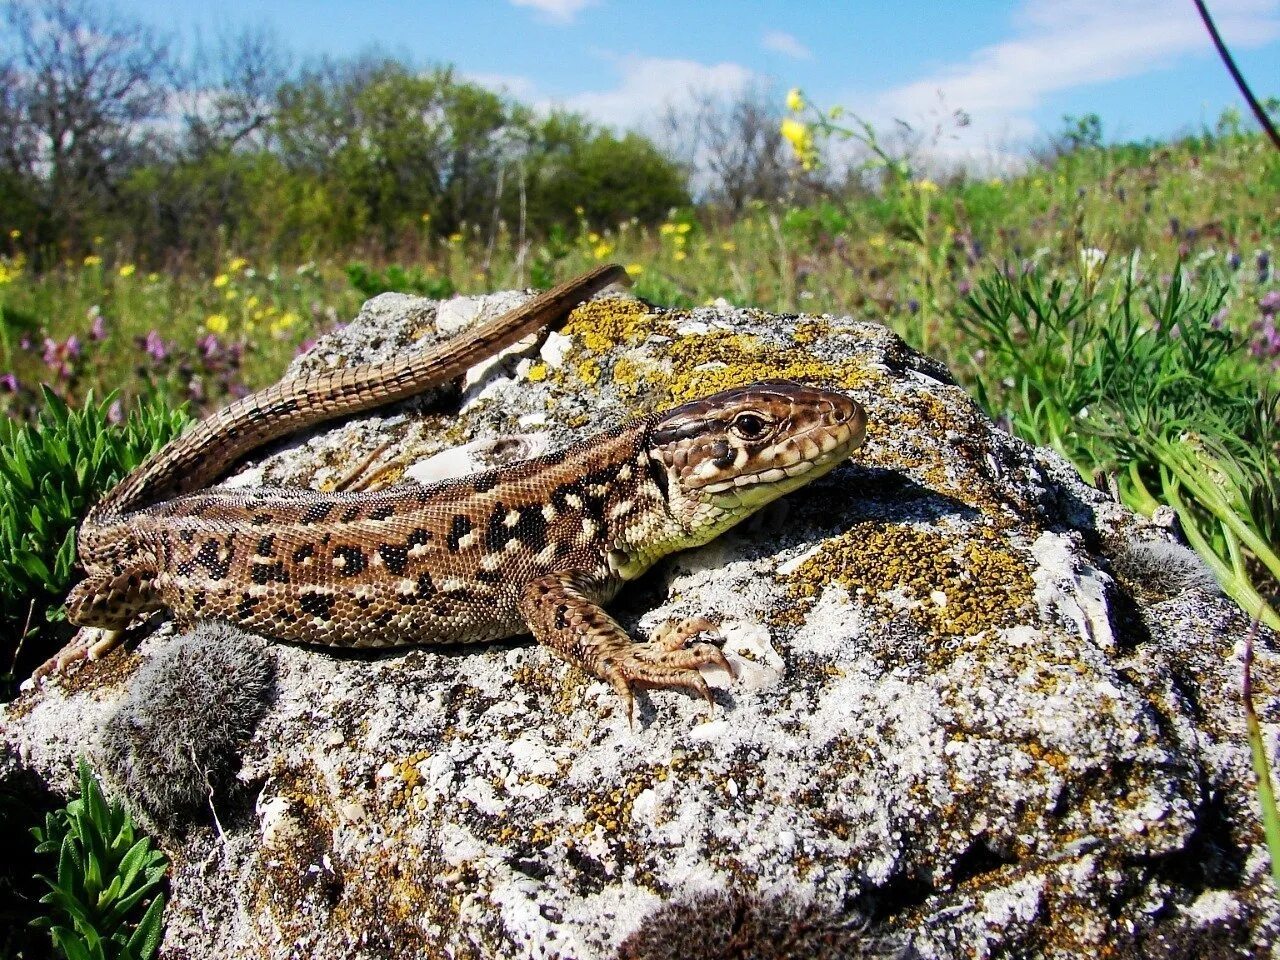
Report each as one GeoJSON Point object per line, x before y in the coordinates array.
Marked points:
{"type": "Point", "coordinates": [537, 546]}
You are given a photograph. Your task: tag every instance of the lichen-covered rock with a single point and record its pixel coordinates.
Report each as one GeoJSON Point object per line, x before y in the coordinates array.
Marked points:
{"type": "Point", "coordinates": [981, 710]}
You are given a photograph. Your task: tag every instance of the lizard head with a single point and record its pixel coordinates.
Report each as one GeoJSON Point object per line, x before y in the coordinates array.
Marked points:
{"type": "Point", "coordinates": [720, 459]}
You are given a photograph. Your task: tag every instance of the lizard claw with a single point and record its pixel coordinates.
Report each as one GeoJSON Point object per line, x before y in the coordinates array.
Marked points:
{"type": "Point", "coordinates": [89, 643]}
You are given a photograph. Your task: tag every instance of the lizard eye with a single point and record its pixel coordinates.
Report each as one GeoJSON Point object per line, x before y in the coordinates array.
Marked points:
{"type": "Point", "coordinates": [749, 426]}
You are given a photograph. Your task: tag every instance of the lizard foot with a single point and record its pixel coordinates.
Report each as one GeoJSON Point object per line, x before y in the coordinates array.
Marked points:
{"type": "Point", "coordinates": [664, 663]}
{"type": "Point", "coordinates": [89, 643]}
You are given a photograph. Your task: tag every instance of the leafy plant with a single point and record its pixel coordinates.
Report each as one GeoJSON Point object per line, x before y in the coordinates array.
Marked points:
{"type": "Point", "coordinates": [1139, 381]}
{"type": "Point", "coordinates": [51, 472]}
{"type": "Point", "coordinates": [105, 902]}
{"type": "Point", "coordinates": [396, 279]}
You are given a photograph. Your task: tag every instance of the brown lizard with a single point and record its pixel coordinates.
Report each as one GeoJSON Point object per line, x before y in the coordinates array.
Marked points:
{"type": "Point", "coordinates": [536, 546]}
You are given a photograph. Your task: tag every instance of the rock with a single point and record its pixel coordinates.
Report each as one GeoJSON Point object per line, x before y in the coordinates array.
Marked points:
{"type": "Point", "coordinates": [970, 720]}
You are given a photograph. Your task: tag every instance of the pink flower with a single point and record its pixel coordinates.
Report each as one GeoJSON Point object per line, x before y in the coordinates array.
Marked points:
{"type": "Point", "coordinates": [155, 346]}
{"type": "Point", "coordinates": [99, 329]}
{"type": "Point", "coordinates": [115, 413]}
{"type": "Point", "coordinates": [1270, 303]}
{"type": "Point", "coordinates": [9, 382]}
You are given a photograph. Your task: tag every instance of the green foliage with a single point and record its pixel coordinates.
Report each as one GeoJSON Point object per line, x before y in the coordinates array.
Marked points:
{"type": "Point", "coordinates": [105, 901]}
{"type": "Point", "coordinates": [1139, 381]}
{"type": "Point", "coordinates": [51, 472]}
{"type": "Point", "coordinates": [396, 279]}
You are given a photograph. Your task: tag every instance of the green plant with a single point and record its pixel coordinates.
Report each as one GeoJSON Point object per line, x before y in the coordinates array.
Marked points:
{"type": "Point", "coordinates": [1258, 754]}
{"type": "Point", "coordinates": [1139, 381]}
{"type": "Point", "coordinates": [50, 473]}
{"type": "Point", "coordinates": [397, 279]}
{"type": "Point", "coordinates": [105, 902]}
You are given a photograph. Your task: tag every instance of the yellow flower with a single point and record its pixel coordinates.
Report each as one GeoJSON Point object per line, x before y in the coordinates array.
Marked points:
{"type": "Point", "coordinates": [231, 293]}
{"type": "Point", "coordinates": [634, 269]}
{"type": "Point", "coordinates": [97, 241]}
{"type": "Point", "coordinates": [728, 246]}
{"type": "Point", "coordinates": [683, 227]}
{"type": "Point", "coordinates": [875, 241]}
{"type": "Point", "coordinates": [602, 249]}
{"type": "Point", "coordinates": [252, 303]}
{"type": "Point", "coordinates": [801, 139]}
{"type": "Point", "coordinates": [221, 280]}
{"type": "Point", "coordinates": [579, 210]}
{"type": "Point", "coordinates": [153, 278]}
{"type": "Point", "coordinates": [216, 323]}
{"type": "Point", "coordinates": [667, 228]}
{"type": "Point", "coordinates": [237, 264]}
{"type": "Point", "coordinates": [127, 270]}
{"type": "Point", "coordinates": [287, 320]}
{"type": "Point", "coordinates": [795, 100]}
{"type": "Point", "coordinates": [426, 218]}
{"type": "Point", "coordinates": [455, 238]}
{"type": "Point", "coordinates": [927, 186]}
{"type": "Point", "coordinates": [9, 271]}
{"type": "Point", "coordinates": [93, 260]}
{"type": "Point", "coordinates": [593, 237]}
{"type": "Point", "coordinates": [15, 234]}
{"type": "Point", "coordinates": [680, 255]}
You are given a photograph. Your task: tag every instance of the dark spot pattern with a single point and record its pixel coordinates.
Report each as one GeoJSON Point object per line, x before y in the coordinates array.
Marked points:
{"type": "Point", "coordinates": [244, 609]}
{"type": "Point", "coordinates": [420, 537]}
{"type": "Point", "coordinates": [381, 513]}
{"type": "Point", "coordinates": [460, 527]}
{"type": "Point", "coordinates": [353, 560]}
{"type": "Point", "coordinates": [395, 556]}
{"type": "Point", "coordinates": [426, 586]}
{"type": "Point", "coordinates": [350, 514]}
{"type": "Point", "coordinates": [208, 558]}
{"type": "Point", "coordinates": [304, 552]}
{"type": "Point", "coordinates": [316, 604]}
{"type": "Point", "coordinates": [484, 482]}
{"type": "Point", "coordinates": [264, 573]}
{"type": "Point", "coordinates": [316, 513]}
{"type": "Point", "coordinates": [261, 519]}
{"type": "Point", "coordinates": [267, 545]}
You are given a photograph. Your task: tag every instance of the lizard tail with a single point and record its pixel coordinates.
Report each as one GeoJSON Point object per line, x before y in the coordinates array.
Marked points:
{"type": "Point", "coordinates": [209, 448]}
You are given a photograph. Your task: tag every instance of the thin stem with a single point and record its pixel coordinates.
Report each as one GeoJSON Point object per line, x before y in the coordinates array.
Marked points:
{"type": "Point", "coordinates": [1261, 768]}
{"type": "Point", "coordinates": [1263, 120]}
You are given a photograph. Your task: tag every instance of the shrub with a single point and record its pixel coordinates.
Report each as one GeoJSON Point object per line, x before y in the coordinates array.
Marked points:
{"type": "Point", "coordinates": [396, 279]}
{"type": "Point", "coordinates": [1143, 381]}
{"type": "Point", "coordinates": [105, 901]}
{"type": "Point", "coordinates": [51, 472]}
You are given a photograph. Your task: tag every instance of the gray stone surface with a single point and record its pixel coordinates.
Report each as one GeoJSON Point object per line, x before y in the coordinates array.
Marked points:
{"type": "Point", "coordinates": [969, 720]}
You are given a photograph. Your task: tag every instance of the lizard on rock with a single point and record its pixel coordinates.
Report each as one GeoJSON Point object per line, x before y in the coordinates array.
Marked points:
{"type": "Point", "coordinates": [536, 546]}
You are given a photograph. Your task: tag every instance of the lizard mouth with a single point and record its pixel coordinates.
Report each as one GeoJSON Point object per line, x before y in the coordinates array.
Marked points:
{"type": "Point", "coordinates": [834, 443]}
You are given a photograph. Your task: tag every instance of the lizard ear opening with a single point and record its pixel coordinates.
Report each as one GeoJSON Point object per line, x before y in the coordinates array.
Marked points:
{"type": "Point", "coordinates": [658, 474]}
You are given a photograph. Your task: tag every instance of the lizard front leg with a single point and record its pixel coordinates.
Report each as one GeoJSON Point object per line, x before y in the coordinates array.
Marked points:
{"type": "Point", "coordinates": [563, 612]}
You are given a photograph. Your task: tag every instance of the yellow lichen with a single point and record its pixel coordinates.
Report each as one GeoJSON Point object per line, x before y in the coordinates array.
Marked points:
{"type": "Point", "coordinates": [538, 372]}
{"type": "Point", "coordinates": [949, 588]}
{"type": "Point", "coordinates": [599, 325]}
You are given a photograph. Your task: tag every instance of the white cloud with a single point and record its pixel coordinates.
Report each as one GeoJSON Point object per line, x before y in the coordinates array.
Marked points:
{"type": "Point", "coordinates": [562, 11]}
{"type": "Point", "coordinates": [784, 43]}
{"type": "Point", "coordinates": [510, 83]}
{"type": "Point", "coordinates": [646, 85]}
{"type": "Point", "coordinates": [1060, 45]}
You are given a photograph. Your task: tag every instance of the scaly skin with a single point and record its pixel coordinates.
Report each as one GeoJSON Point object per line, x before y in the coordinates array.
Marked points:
{"type": "Point", "coordinates": [535, 547]}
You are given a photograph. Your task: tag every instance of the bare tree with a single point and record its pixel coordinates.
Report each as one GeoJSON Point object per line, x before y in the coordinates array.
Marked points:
{"type": "Point", "coordinates": [733, 145]}
{"type": "Point", "coordinates": [86, 89]}
{"type": "Point", "coordinates": [232, 90]}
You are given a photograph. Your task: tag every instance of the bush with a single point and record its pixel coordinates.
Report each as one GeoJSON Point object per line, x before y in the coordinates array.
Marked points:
{"type": "Point", "coordinates": [1144, 382]}
{"type": "Point", "coordinates": [51, 472]}
{"type": "Point", "coordinates": [106, 873]}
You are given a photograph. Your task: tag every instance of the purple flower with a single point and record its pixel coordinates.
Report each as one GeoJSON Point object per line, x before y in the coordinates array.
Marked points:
{"type": "Point", "coordinates": [72, 347]}
{"type": "Point", "coordinates": [913, 305]}
{"type": "Point", "coordinates": [155, 346]}
{"type": "Point", "coordinates": [115, 413]}
{"type": "Point", "coordinates": [208, 346]}
{"type": "Point", "coordinates": [99, 329]}
{"type": "Point", "coordinates": [50, 351]}
{"type": "Point", "coordinates": [1219, 319]}
{"type": "Point", "coordinates": [1233, 260]}
{"type": "Point", "coordinates": [1263, 261]}
{"type": "Point", "coordinates": [305, 345]}
{"type": "Point", "coordinates": [964, 287]}
{"type": "Point", "coordinates": [9, 382]}
{"type": "Point", "coordinates": [1269, 304]}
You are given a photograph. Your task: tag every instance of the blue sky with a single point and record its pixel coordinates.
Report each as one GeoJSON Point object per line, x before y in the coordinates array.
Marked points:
{"type": "Point", "coordinates": [1145, 66]}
